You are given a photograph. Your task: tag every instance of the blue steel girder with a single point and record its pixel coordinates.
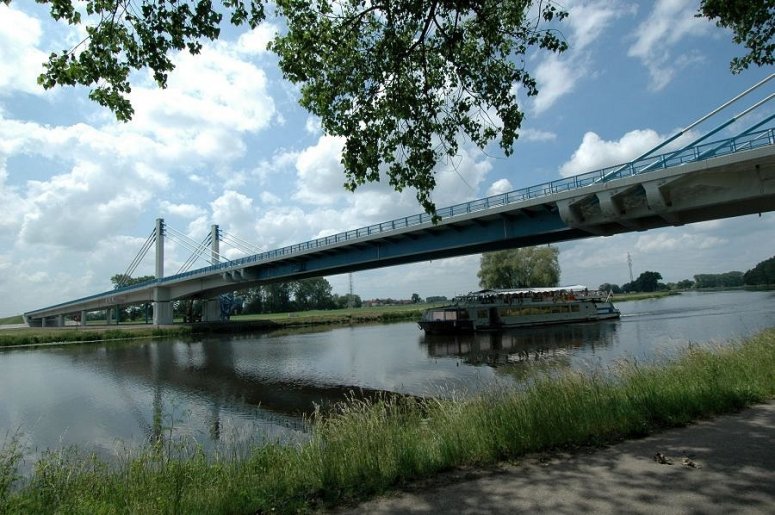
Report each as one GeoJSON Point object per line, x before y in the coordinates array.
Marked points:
{"type": "Point", "coordinates": [496, 232]}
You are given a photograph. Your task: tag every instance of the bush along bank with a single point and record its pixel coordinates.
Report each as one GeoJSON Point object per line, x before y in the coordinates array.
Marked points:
{"type": "Point", "coordinates": [364, 448]}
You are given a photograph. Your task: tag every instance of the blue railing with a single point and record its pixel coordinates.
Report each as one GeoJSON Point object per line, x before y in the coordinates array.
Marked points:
{"type": "Point", "coordinates": [646, 165]}
{"type": "Point", "coordinates": [643, 166]}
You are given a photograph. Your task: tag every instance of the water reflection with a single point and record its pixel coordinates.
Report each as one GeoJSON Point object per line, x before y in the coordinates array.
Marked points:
{"type": "Point", "coordinates": [234, 389]}
{"type": "Point", "coordinates": [521, 352]}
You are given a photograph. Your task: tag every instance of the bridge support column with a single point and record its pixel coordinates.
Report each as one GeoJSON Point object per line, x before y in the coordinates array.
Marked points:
{"type": "Point", "coordinates": [162, 307]}
{"type": "Point", "coordinates": [211, 310]}
{"type": "Point", "coordinates": [60, 321]}
{"type": "Point", "coordinates": [83, 317]}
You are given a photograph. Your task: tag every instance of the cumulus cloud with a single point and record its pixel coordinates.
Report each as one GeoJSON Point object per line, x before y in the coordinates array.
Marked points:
{"type": "Point", "coordinates": [319, 172]}
{"type": "Point", "coordinates": [669, 23]}
{"type": "Point", "coordinates": [255, 41]}
{"type": "Point", "coordinates": [20, 59]}
{"type": "Point", "coordinates": [500, 186]}
{"type": "Point", "coordinates": [556, 78]}
{"type": "Point", "coordinates": [595, 153]}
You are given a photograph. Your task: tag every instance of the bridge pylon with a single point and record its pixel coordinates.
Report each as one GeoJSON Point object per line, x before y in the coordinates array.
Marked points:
{"type": "Point", "coordinates": [162, 304]}
{"type": "Point", "coordinates": [211, 308]}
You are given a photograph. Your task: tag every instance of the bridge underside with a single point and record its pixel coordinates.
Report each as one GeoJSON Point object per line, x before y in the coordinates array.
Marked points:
{"type": "Point", "coordinates": [732, 185]}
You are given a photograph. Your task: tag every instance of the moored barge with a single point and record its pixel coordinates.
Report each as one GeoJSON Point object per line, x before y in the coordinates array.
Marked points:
{"type": "Point", "coordinates": [491, 310]}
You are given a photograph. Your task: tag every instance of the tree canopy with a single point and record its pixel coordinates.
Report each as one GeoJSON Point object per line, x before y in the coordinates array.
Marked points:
{"type": "Point", "coordinates": [762, 273]}
{"type": "Point", "coordinates": [520, 268]}
{"type": "Point", "coordinates": [646, 282]}
{"type": "Point", "coordinates": [752, 24]}
{"type": "Point", "coordinates": [403, 82]}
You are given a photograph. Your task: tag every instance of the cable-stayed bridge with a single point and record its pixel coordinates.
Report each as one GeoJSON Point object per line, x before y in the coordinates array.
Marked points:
{"type": "Point", "coordinates": [705, 179]}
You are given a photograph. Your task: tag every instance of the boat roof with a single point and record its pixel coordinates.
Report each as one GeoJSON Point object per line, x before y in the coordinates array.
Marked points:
{"type": "Point", "coordinates": [574, 287]}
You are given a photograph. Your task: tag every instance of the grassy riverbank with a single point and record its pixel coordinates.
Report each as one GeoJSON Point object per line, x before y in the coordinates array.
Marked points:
{"type": "Point", "coordinates": [76, 334]}
{"type": "Point", "coordinates": [366, 448]}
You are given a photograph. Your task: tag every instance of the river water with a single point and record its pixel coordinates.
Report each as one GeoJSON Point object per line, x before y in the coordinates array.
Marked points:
{"type": "Point", "coordinates": [237, 389]}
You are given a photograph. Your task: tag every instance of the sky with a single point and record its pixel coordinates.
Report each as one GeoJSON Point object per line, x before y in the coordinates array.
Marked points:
{"type": "Point", "coordinates": [226, 143]}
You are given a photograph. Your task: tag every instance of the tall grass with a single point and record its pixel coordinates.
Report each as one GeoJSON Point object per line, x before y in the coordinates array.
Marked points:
{"type": "Point", "coordinates": [365, 447]}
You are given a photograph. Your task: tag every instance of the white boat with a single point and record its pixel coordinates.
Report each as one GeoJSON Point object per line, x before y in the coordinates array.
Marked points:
{"type": "Point", "coordinates": [491, 310]}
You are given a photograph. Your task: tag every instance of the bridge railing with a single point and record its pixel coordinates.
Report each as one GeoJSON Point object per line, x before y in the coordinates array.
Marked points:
{"type": "Point", "coordinates": [647, 165]}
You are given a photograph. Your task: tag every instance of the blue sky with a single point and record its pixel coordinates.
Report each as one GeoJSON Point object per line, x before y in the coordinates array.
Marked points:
{"type": "Point", "coordinates": [226, 143]}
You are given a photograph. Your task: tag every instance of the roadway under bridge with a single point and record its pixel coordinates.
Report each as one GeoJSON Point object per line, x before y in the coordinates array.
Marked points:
{"type": "Point", "coordinates": [704, 182]}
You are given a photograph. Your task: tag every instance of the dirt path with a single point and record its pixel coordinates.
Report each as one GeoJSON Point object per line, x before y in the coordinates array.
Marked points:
{"type": "Point", "coordinates": [726, 465]}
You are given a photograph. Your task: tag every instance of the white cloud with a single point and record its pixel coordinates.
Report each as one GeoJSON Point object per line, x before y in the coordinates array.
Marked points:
{"type": "Point", "coordinates": [499, 186]}
{"type": "Point", "coordinates": [588, 20]}
{"type": "Point", "coordinates": [595, 153]}
{"type": "Point", "coordinates": [657, 37]}
{"type": "Point", "coordinates": [255, 41]}
{"type": "Point", "coordinates": [319, 172]}
{"type": "Point", "coordinates": [556, 78]}
{"type": "Point", "coordinates": [214, 90]}
{"type": "Point", "coordinates": [189, 211]}
{"type": "Point", "coordinates": [537, 135]}
{"type": "Point", "coordinates": [20, 59]}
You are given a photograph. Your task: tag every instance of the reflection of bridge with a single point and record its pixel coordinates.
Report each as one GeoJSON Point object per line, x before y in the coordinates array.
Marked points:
{"type": "Point", "coordinates": [701, 181]}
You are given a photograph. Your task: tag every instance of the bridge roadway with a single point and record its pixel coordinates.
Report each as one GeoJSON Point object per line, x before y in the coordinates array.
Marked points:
{"type": "Point", "coordinates": [716, 180]}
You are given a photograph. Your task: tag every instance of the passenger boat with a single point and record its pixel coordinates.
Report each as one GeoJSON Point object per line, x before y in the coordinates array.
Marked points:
{"type": "Point", "coordinates": [491, 310]}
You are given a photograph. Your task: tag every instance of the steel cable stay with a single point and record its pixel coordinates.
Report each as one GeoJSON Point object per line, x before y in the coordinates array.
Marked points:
{"type": "Point", "coordinates": [203, 246]}
{"type": "Point", "coordinates": [190, 244]}
{"type": "Point", "coordinates": [693, 125]}
{"type": "Point", "coordinates": [239, 243]}
{"type": "Point", "coordinates": [137, 259]}
{"type": "Point", "coordinates": [707, 135]}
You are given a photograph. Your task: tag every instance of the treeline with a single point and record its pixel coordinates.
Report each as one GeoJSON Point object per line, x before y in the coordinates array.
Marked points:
{"type": "Point", "coordinates": [762, 274]}
{"type": "Point", "coordinates": [303, 295]}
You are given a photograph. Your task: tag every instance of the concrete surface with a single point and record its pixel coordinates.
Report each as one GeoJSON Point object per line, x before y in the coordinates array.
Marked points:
{"type": "Point", "coordinates": [724, 465]}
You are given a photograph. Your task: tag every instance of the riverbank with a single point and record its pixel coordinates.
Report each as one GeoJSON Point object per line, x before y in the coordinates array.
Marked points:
{"type": "Point", "coordinates": [26, 336]}
{"type": "Point", "coordinates": [365, 448]}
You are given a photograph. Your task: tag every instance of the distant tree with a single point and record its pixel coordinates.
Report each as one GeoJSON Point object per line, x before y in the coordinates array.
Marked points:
{"type": "Point", "coordinates": [646, 282]}
{"type": "Point", "coordinates": [763, 273]}
{"type": "Point", "coordinates": [685, 284]}
{"type": "Point", "coordinates": [613, 288]}
{"type": "Point", "coordinates": [436, 298]}
{"type": "Point", "coordinates": [347, 300]}
{"type": "Point", "coordinates": [123, 280]}
{"type": "Point", "coordinates": [520, 268]}
{"type": "Point", "coordinates": [313, 293]}
{"type": "Point", "coordinates": [277, 297]}
{"type": "Point", "coordinates": [725, 280]}
{"type": "Point", "coordinates": [753, 25]}
{"type": "Point", "coordinates": [416, 299]}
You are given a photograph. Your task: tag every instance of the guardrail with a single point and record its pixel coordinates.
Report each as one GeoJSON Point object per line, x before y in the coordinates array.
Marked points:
{"type": "Point", "coordinates": [643, 166]}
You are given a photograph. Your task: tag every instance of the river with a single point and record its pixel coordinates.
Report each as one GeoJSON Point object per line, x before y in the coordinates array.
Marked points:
{"type": "Point", "coordinates": [237, 389]}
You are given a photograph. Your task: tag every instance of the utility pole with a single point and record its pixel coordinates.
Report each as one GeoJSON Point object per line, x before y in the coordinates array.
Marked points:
{"type": "Point", "coordinates": [629, 264]}
{"type": "Point", "coordinates": [350, 301]}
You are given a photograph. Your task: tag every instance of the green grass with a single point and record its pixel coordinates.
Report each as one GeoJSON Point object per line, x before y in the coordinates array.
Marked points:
{"type": "Point", "coordinates": [42, 336]}
{"type": "Point", "coordinates": [18, 319]}
{"type": "Point", "coordinates": [364, 448]}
